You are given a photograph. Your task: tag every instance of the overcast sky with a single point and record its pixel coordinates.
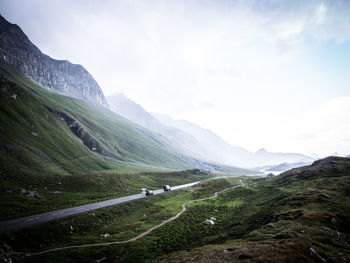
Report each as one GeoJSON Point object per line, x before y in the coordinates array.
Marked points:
{"type": "Point", "coordinates": [272, 74]}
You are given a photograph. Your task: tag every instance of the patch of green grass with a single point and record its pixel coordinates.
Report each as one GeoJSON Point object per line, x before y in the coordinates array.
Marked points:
{"type": "Point", "coordinates": [83, 189]}
{"type": "Point", "coordinates": [271, 219]}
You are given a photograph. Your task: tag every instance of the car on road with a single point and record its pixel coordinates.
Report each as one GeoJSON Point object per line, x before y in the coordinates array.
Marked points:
{"type": "Point", "coordinates": [166, 188]}
{"type": "Point", "coordinates": [149, 192]}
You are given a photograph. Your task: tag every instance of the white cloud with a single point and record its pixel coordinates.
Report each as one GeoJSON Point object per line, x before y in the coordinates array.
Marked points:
{"type": "Point", "coordinates": [320, 14]}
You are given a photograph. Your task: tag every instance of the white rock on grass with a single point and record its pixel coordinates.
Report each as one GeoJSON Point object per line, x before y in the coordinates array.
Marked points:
{"type": "Point", "coordinates": [208, 222]}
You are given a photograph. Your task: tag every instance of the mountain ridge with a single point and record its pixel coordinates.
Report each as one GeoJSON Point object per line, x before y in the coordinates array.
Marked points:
{"type": "Point", "coordinates": [60, 76]}
{"type": "Point", "coordinates": [196, 141]}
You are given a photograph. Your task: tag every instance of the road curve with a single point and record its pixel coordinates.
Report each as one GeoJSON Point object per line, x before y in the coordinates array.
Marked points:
{"type": "Point", "coordinates": [15, 224]}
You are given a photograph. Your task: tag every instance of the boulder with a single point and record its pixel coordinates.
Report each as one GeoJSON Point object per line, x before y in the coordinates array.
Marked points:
{"type": "Point", "coordinates": [208, 222]}
{"type": "Point", "coordinates": [29, 193]}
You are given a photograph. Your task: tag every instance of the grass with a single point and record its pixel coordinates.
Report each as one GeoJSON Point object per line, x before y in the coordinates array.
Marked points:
{"type": "Point", "coordinates": [280, 219]}
{"type": "Point", "coordinates": [83, 189]}
{"type": "Point", "coordinates": [121, 222]}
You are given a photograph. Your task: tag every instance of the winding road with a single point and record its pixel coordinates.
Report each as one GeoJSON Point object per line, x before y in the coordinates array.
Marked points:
{"type": "Point", "coordinates": [119, 242]}
{"type": "Point", "coordinates": [15, 224]}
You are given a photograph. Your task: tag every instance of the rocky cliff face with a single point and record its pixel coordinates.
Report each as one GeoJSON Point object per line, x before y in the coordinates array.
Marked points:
{"type": "Point", "coordinates": [56, 75]}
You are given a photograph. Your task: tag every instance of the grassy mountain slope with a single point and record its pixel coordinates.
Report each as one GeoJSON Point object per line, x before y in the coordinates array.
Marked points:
{"type": "Point", "coordinates": [31, 133]}
{"type": "Point", "coordinates": [183, 142]}
{"type": "Point", "coordinates": [46, 127]}
{"type": "Point", "coordinates": [49, 142]}
{"type": "Point", "coordinates": [194, 142]}
{"type": "Point", "coordinates": [38, 148]}
{"type": "Point", "coordinates": [301, 216]}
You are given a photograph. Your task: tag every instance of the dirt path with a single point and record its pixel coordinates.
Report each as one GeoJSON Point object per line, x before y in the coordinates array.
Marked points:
{"type": "Point", "coordinates": [118, 242]}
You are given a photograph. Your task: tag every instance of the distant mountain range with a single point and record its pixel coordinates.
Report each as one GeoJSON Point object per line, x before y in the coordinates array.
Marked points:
{"type": "Point", "coordinates": [183, 142]}
{"type": "Point", "coordinates": [197, 141]}
{"type": "Point", "coordinates": [53, 121]}
{"type": "Point", "coordinates": [147, 138]}
{"type": "Point", "coordinates": [59, 76]}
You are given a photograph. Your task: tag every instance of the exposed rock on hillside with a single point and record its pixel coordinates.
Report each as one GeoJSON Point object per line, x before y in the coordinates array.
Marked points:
{"type": "Point", "coordinates": [56, 75]}
{"type": "Point", "coordinates": [29, 193]}
{"type": "Point", "coordinates": [88, 140]}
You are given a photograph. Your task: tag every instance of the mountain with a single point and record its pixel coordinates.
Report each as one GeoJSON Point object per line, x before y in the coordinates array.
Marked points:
{"type": "Point", "coordinates": [53, 143]}
{"type": "Point", "coordinates": [195, 141]}
{"type": "Point", "coordinates": [263, 157]}
{"type": "Point", "coordinates": [231, 154]}
{"type": "Point", "coordinates": [50, 143]}
{"type": "Point", "coordinates": [285, 166]}
{"type": "Point", "coordinates": [62, 134]}
{"type": "Point", "coordinates": [186, 144]}
{"type": "Point", "coordinates": [59, 76]}
{"type": "Point", "coordinates": [192, 142]}
{"type": "Point", "coordinates": [215, 147]}
{"type": "Point", "coordinates": [134, 112]}
{"type": "Point", "coordinates": [182, 141]}
{"type": "Point", "coordinates": [67, 131]}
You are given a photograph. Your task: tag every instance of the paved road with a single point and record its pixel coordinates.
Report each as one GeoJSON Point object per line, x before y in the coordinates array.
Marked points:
{"type": "Point", "coordinates": [23, 222]}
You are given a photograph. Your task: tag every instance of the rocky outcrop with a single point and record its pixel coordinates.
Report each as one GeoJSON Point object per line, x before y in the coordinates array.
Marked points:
{"type": "Point", "coordinates": [29, 193]}
{"type": "Point", "coordinates": [59, 76]}
{"type": "Point", "coordinates": [88, 140]}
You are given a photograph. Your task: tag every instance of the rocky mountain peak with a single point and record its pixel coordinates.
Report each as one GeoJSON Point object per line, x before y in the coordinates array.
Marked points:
{"type": "Point", "coordinates": [59, 76]}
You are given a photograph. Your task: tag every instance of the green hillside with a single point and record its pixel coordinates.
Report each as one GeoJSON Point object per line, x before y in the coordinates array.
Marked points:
{"type": "Point", "coordinates": [37, 148]}
{"type": "Point", "coordinates": [301, 216]}
{"type": "Point", "coordinates": [50, 142]}
{"type": "Point", "coordinates": [34, 137]}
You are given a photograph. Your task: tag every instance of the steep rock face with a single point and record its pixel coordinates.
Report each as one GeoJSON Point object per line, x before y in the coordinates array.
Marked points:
{"type": "Point", "coordinates": [57, 75]}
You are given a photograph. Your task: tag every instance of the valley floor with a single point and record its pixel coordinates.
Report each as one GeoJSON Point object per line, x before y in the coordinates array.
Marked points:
{"type": "Point", "coordinates": [66, 191]}
{"type": "Point", "coordinates": [24, 222]}
{"type": "Point", "coordinates": [301, 216]}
